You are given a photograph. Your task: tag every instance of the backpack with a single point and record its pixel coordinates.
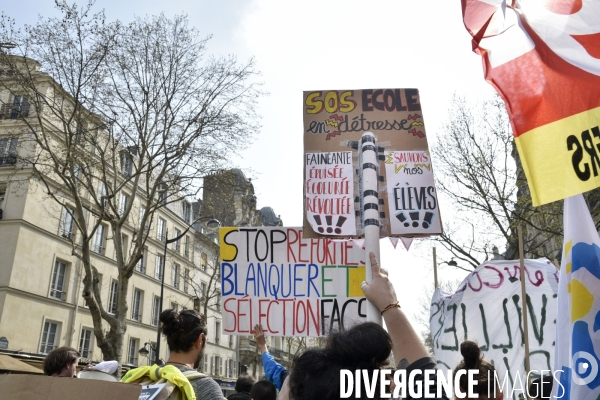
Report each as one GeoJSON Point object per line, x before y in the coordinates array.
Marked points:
{"type": "Point", "coordinates": [163, 389]}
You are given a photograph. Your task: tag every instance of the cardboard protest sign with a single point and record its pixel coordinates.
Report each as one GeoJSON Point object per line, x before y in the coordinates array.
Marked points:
{"type": "Point", "coordinates": [291, 285]}
{"type": "Point", "coordinates": [411, 192]}
{"type": "Point", "coordinates": [487, 308]}
{"type": "Point", "coordinates": [334, 122]}
{"type": "Point", "coordinates": [543, 58]}
{"type": "Point", "coordinates": [27, 387]}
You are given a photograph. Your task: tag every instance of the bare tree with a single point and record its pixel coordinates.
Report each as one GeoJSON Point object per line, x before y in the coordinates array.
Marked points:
{"type": "Point", "coordinates": [478, 171]}
{"type": "Point", "coordinates": [206, 286]}
{"type": "Point", "coordinates": [110, 112]}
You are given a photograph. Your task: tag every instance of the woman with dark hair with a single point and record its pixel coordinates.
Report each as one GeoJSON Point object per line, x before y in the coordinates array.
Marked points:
{"type": "Point", "coordinates": [485, 387]}
{"type": "Point", "coordinates": [186, 337]}
{"type": "Point", "coordinates": [316, 373]}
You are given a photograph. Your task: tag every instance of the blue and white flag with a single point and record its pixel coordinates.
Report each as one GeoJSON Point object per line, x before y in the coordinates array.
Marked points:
{"type": "Point", "coordinates": [578, 315]}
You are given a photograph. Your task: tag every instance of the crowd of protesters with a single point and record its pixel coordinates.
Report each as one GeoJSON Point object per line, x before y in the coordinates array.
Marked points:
{"type": "Point", "coordinates": [315, 374]}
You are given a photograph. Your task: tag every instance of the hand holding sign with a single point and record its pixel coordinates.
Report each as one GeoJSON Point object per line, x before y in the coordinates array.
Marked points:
{"type": "Point", "coordinates": [380, 291]}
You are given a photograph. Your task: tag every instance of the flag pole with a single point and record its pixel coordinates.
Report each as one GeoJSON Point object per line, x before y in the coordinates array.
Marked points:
{"type": "Point", "coordinates": [435, 280]}
{"type": "Point", "coordinates": [524, 306]}
{"type": "Point", "coordinates": [369, 183]}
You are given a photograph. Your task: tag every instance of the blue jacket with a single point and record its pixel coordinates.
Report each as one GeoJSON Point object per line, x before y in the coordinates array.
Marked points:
{"type": "Point", "coordinates": [275, 372]}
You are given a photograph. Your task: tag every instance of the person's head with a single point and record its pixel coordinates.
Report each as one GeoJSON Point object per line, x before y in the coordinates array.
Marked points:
{"type": "Point", "coordinates": [244, 383]}
{"type": "Point", "coordinates": [316, 371]}
{"type": "Point", "coordinates": [473, 359]}
{"type": "Point", "coordinates": [185, 332]}
{"type": "Point", "coordinates": [62, 361]}
{"type": "Point", "coordinates": [541, 388]}
{"type": "Point", "coordinates": [263, 390]}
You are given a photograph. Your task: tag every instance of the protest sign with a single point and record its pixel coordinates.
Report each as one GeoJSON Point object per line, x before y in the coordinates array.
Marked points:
{"type": "Point", "coordinates": [291, 285]}
{"type": "Point", "coordinates": [543, 59]}
{"type": "Point", "coordinates": [334, 124]}
{"type": "Point", "coordinates": [411, 191]}
{"type": "Point", "coordinates": [487, 308]}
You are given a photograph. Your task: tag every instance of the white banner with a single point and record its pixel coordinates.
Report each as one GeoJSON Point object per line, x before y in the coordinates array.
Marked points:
{"type": "Point", "coordinates": [487, 308]}
{"type": "Point", "coordinates": [290, 285]}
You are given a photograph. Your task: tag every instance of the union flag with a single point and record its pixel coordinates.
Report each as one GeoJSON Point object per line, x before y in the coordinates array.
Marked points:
{"type": "Point", "coordinates": [543, 58]}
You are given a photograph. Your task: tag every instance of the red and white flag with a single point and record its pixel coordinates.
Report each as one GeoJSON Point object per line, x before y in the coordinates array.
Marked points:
{"type": "Point", "coordinates": [543, 58]}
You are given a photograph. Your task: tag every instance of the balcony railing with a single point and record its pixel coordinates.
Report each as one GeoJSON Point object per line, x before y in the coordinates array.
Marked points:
{"type": "Point", "coordinates": [8, 160]}
{"type": "Point", "coordinates": [58, 294]}
{"type": "Point", "coordinates": [67, 234]}
{"type": "Point", "coordinates": [11, 111]}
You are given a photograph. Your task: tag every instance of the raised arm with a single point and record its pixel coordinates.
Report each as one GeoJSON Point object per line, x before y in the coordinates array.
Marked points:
{"type": "Point", "coordinates": [407, 346]}
{"type": "Point", "coordinates": [259, 336]}
{"type": "Point", "coordinates": [275, 372]}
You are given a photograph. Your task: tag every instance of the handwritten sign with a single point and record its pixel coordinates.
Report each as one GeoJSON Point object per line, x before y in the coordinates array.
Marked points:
{"type": "Point", "coordinates": [291, 285]}
{"type": "Point", "coordinates": [329, 193]}
{"type": "Point", "coordinates": [411, 193]}
{"type": "Point", "coordinates": [334, 123]}
{"type": "Point", "coordinates": [487, 308]}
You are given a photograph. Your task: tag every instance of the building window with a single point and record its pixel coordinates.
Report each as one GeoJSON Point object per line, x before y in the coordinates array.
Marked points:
{"type": "Point", "coordinates": [175, 276]}
{"type": "Point", "coordinates": [155, 310]}
{"type": "Point", "coordinates": [141, 264]}
{"type": "Point", "coordinates": [49, 337]}
{"type": "Point", "coordinates": [176, 243]}
{"type": "Point", "coordinates": [85, 343]}
{"type": "Point", "coordinates": [2, 197]}
{"type": "Point", "coordinates": [186, 211]}
{"type": "Point", "coordinates": [8, 151]}
{"type": "Point", "coordinates": [230, 368]}
{"type": "Point", "coordinates": [58, 281]}
{"type": "Point", "coordinates": [231, 341]}
{"type": "Point", "coordinates": [186, 279]}
{"type": "Point", "coordinates": [217, 332]}
{"type": "Point", "coordinates": [203, 293]}
{"type": "Point", "coordinates": [112, 299]}
{"type": "Point", "coordinates": [175, 306]}
{"type": "Point", "coordinates": [159, 267]}
{"type": "Point", "coordinates": [132, 351]}
{"type": "Point", "coordinates": [136, 309]}
{"type": "Point", "coordinates": [217, 367]}
{"type": "Point", "coordinates": [99, 239]}
{"type": "Point", "coordinates": [204, 365]}
{"type": "Point", "coordinates": [126, 163]}
{"type": "Point", "coordinates": [204, 261]}
{"type": "Point", "coordinates": [18, 109]}
{"type": "Point", "coordinates": [162, 195]}
{"type": "Point", "coordinates": [123, 201]}
{"type": "Point", "coordinates": [218, 303]}
{"type": "Point", "coordinates": [160, 229]}
{"type": "Point", "coordinates": [101, 193]}
{"type": "Point", "coordinates": [186, 246]}
{"type": "Point", "coordinates": [66, 223]}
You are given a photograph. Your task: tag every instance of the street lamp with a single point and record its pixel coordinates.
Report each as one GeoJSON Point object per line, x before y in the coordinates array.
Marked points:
{"type": "Point", "coordinates": [210, 223]}
{"type": "Point", "coordinates": [144, 350]}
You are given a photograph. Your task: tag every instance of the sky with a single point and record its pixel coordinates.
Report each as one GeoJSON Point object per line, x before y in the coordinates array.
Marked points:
{"type": "Point", "coordinates": [326, 45]}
